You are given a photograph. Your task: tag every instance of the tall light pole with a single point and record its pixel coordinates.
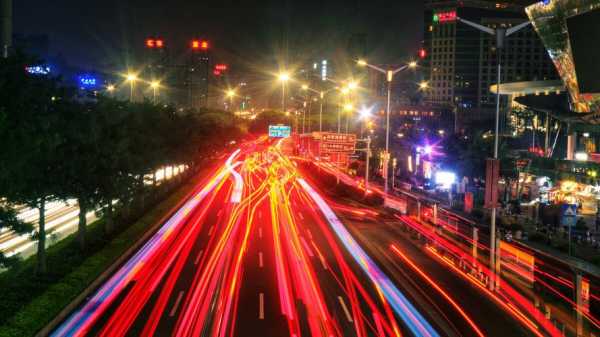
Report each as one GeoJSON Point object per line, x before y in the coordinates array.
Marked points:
{"type": "Point", "coordinates": [389, 78]}
{"type": "Point", "coordinates": [131, 78]}
{"type": "Point", "coordinates": [321, 98]}
{"type": "Point", "coordinates": [500, 34]}
{"type": "Point", "coordinates": [283, 78]}
{"type": "Point", "coordinates": [348, 108]}
{"type": "Point", "coordinates": [230, 94]}
{"type": "Point", "coordinates": [155, 85]}
{"type": "Point", "coordinates": [110, 89]}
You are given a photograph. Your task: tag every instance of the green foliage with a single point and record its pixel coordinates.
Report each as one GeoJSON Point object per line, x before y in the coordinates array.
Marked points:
{"type": "Point", "coordinates": [57, 146]}
{"type": "Point", "coordinates": [30, 302]}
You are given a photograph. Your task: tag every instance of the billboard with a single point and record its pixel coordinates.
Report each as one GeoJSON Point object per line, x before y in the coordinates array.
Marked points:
{"type": "Point", "coordinates": [279, 131]}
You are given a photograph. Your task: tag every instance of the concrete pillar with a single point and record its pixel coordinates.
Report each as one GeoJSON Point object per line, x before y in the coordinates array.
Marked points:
{"type": "Point", "coordinates": [6, 25]}
{"type": "Point", "coordinates": [498, 263]}
{"type": "Point", "coordinates": [579, 302]}
{"type": "Point", "coordinates": [571, 145]}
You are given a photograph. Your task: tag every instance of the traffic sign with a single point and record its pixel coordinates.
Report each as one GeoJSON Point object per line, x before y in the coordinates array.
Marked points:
{"type": "Point", "coordinates": [569, 215]}
{"type": "Point", "coordinates": [279, 131]}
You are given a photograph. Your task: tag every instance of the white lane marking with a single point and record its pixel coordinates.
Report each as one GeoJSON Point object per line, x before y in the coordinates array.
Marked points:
{"type": "Point", "coordinates": [174, 309]}
{"type": "Point", "coordinates": [321, 258]}
{"type": "Point", "coordinates": [198, 257]}
{"type": "Point", "coordinates": [307, 247]}
{"type": "Point", "coordinates": [309, 233]}
{"type": "Point", "coordinates": [343, 304]}
{"type": "Point", "coordinates": [210, 230]}
{"type": "Point", "coordinates": [300, 215]}
{"type": "Point", "coordinates": [260, 259]}
{"type": "Point", "coordinates": [261, 306]}
{"type": "Point", "coordinates": [260, 232]}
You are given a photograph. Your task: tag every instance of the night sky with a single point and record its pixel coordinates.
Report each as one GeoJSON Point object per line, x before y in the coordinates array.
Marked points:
{"type": "Point", "coordinates": [101, 34]}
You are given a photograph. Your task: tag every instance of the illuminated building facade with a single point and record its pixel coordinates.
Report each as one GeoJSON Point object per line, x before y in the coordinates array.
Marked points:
{"type": "Point", "coordinates": [551, 21]}
{"type": "Point", "coordinates": [461, 61]}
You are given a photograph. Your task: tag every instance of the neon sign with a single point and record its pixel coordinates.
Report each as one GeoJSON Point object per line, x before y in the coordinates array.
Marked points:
{"type": "Point", "coordinates": [87, 81]}
{"type": "Point", "coordinates": [442, 17]}
{"type": "Point", "coordinates": [38, 70]}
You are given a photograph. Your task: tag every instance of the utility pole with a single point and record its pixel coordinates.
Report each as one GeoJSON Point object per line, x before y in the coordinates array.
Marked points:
{"type": "Point", "coordinates": [6, 21]}
{"type": "Point", "coordinates": [368, 155]}
{"type": "Point", "coordinates": [500, 34]}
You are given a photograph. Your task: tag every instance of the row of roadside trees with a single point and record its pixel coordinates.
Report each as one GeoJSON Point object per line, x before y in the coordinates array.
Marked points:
{"type": "Point", "coordinates": [56, 145]}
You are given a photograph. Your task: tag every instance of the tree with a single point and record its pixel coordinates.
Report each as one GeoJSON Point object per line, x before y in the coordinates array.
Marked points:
{"type": "Point", "coordinates": [30, 108]}
{"type": "Point", "coordinates": [9, 220]}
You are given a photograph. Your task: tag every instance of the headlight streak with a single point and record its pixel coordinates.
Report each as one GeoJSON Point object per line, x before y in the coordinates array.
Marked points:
{"type": "Point", "coordinates": [508, 298]}
{"type": "Point", "coordinates": [439, 289]}
{"type": "Point", "coordinates": [411, 317]}
{"type": "Point", "coordinates": [306, 235]}
{"type": "Point", "coordinates": [81, 320]}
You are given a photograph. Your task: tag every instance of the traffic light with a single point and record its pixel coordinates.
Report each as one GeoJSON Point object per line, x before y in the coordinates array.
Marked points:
{"type": "Point", "coordinates": [150, 43]}
{"type": "Point", "coordinates": [221, 67]}
{"type": "Point", "coordinates": [422, 53]}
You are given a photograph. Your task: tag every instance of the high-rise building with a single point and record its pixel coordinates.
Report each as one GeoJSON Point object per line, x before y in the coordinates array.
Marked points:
{"type": "Point", "coordinates": [462, 61]}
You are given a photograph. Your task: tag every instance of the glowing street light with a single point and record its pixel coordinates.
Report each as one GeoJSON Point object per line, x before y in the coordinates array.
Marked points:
{"type": "Point", "coordinates": [230, 94]}
{"type": "Point", "coordinates": [155, 85]}
{"type": "Point", "coordinates": [365, 113]}
{"type": "Point", "coordinates": [110, 88]}
{"type": "Point", "coordinates": [423, 85]}
{"type": "Point", "coordinates": [131, 78]}
{"type": "Point", "coordinates": [283, 78]}
{"type": "Point", "coordinates": [389, 73]}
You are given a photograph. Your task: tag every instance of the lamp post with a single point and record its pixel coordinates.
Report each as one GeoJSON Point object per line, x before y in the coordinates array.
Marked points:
{"type": "Point", "coordinates": [500, 34]}
{"type": "Point", "coordinates": [283, 78]}
{"type": "Point", "coordinates": [230, 94]}
{"type": "Point", "coordinates": [110, 89]}
{"type": "Point", "coordinates": [131, 78]}
{"type": "Point", "coordinates": [389, 78]}
{"type": "Point", "coordinates": [154, 85]}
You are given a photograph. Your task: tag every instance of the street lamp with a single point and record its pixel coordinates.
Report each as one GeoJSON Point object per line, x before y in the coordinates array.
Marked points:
{"type": "Point", "coordinates": [155, 85]}
{"type": "Point", "coordinates": [283, 78]}
{"type": "Point", "coordinates": [424, 85]}
{"type": "Point", "coordinates": [131, 78]}
{"type": "Point", "coordinates": [389, 77]}
{"type": "Point", "coordinates": [230, 94]}
{"type": "Point", "coordinates": [500, 33]}
{"type": "Point", "coordinates": [322, 97]}
{"type": "Point", "coordinates": [110, 88]}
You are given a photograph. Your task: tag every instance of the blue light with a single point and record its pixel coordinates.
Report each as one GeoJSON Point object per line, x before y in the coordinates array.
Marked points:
{"type": "Point", "coordinates": [38, 70]}
{"type": "Point", "coordinates": [88, 81]}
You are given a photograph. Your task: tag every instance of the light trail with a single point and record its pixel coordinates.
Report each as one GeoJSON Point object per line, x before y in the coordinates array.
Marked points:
{"type": "Point", "coordinates": [255, 217]}
{"type": "Point", "coordinates": [411, 317]}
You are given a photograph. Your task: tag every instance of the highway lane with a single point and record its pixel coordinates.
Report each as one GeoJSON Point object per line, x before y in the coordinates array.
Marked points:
{"type": "Point", "coordinates": [62, 218]}
{"type": "Point", "coordinates": [259, 251]}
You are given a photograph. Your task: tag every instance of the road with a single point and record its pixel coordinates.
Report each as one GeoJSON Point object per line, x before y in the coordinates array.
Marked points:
{"type": "Point", "coordinates": [62, 218]}
{"type": "Point", "coordinates": [259, 249]}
